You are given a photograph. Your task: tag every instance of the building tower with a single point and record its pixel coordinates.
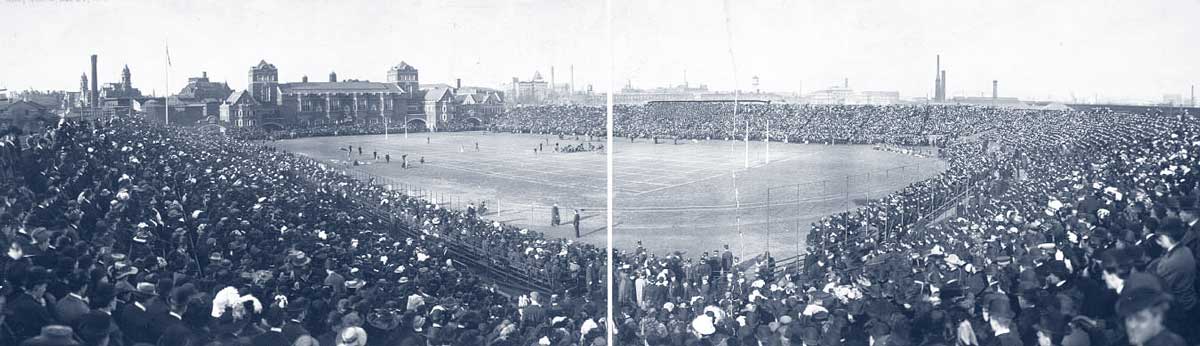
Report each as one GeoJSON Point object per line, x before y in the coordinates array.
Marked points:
{"type": "Point", "coordinates": [333, 77]}
{"type": "Point", "coordinates": [94, 92]}
{"type": "Point", "coordinates": [995, 89]}
{"type": "Point", "coordinates": [84, 96]}
{"type": "Point", "coordinates": [126, 79]}
{"type": "Point", "coordinates": [264, 81]}
{"type": "Point", "coordinates": [405, 76]}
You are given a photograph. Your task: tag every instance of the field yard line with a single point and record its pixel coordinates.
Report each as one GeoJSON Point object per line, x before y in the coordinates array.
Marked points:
{"type": "Point", "coordinates": [708, 178]}
{"type": "Point", "coordinates": [512, 177]}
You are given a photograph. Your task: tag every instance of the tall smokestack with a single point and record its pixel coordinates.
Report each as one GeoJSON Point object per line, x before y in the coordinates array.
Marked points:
{"type": "Point", "coordinates": [943, 77]}
{"type": "Point", "coordinates": [457, 84]}
{"type": "Point", "coordinates": [94, 95]}
{"type": "Point", "coordinates": [937, 79]}
{"type": "Point", "coordinates": [995, 91]}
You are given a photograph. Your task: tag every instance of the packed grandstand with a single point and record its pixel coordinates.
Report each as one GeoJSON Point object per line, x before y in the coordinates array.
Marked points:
{"type": "Point", "coordinates": [1076, 228]}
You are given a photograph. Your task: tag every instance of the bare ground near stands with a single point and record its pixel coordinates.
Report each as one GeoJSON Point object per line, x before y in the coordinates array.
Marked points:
{"type": "Point", "coordinates": [691, 196]}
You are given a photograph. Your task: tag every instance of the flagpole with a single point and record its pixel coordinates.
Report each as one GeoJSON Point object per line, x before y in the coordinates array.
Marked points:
{"type": "Point", "coordinates": [167, 88]}
{"type": "Point", "coordinates": [738, 212]}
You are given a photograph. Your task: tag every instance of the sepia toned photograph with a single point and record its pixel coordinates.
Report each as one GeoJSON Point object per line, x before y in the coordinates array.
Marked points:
{"type": "Point", "coordinates": [599, 172]}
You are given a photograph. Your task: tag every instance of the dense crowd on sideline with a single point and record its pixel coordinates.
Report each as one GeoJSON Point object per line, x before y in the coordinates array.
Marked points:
{"type": "Point", "coordinates": [1067, 228]}
{"type": "Point", "coordinates": [862, 124]}
{"type": "Point", "coordinates": [343, 129]}
{"type": "Point", "coordinates": [125, 233]}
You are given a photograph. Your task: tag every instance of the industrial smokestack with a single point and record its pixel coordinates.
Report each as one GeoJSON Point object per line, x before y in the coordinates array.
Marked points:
{"type": "Point", "coordinates": [93, 95]}
{"type": "Point", "coordinates": [457, 83]}
{"type": "Point", "coordinates": [937, 79]}
{"type": "Point", "coordinates": [204, 74]}
{"type": "Point", "coordinates": [995, 91]}
{"type": "Point", "coordinates": [943, 77]}
{"type": "Point", "coordinates": [333, 77]}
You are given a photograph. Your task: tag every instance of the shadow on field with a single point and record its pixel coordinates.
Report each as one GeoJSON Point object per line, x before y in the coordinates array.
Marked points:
{"type": "Point", "coordinates": [596, 230]}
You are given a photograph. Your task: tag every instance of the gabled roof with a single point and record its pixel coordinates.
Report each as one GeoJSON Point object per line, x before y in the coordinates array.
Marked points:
{"type": "Point", "coordinates": [239, 96]}
{"type": "Point", "coordinates": [340, 87]}
{"type": "Point", "coordinates": [437, 94]}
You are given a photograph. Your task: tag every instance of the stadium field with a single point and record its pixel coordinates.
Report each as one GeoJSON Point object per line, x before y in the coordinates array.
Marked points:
{"type": "Point", "coordinates": [693, 196]}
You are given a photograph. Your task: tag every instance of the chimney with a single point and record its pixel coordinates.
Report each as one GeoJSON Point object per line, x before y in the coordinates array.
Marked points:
{"type": "Point", "coordinates": [93, 95]}
{"type": "Point", "coordinates": [304, 79]}
{"type": "Point", "coordinates": [457, 84]}
{"type": "Point", "coordinates": [995, 91]}
{"type": "Point", "coordinates": [943, 85]}
{"type": "Point", "coordinates": [204, 74]}
{"type": "Point", "coordinates": [333, 77]}
{"type": "Point", "coordinates": [937, 80]}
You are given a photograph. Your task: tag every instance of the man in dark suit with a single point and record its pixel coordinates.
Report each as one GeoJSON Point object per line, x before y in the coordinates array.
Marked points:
{"type": "Point", "coordinates": [135, 318]}
{"type": "Point", "coordinates": [30, 310]}
{"type": "Point", "coordinates": [74, 305]}
{"type": "Point", "coordinates": [103, 302]}
{"type": "Point", "coordinates": [273, 321]}
{"type": "Point", "coordinates": [1191, 220]}
{"type": "Point", "coordinates": [575, 222]}
{"type": "Point", "coordinates": [554, 218]}
{"type": "Point", "coordinates": [1177, 268]}
{"type": "Point", "coordinates": [726, 260]}
{"type": "Point", "coordinates": [175, 331]}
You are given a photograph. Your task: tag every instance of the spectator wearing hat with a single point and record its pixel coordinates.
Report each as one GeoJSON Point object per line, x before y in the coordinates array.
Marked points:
{"type": "Point", "coordinates": [1143, 310]}
{"type": "Point", "coordinates": [52, 335]}
{"type": "Point", "coordinates": [1191, 220]}
{"type": "Point", "coordinates": [1177, 268]}
{"type": "Point", "coordinates": [174, 331]}
{"type": "Point", "coordinates": [273, 321]}
{"type": "Point", "coordinates": [1001, 320]}
{"type": "Point", "coordinates": [293, 328]}
{"type": "Point", "coordinates": [30, 309]}
{"type": "Point", "coordinates": [74, 305]}
{"type": "Point", "coordinates": [135, 319]}
{"type": "Point", "coordinates": [96, 328]}
{"type": "Point", "coordinates": [103, 303]}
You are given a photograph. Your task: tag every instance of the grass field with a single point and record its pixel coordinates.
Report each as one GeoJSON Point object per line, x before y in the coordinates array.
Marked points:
{"type": "Point", "coordinates": [691, 196]}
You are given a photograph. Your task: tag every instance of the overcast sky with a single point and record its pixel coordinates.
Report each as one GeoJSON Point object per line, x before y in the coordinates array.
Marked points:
{"type": "Point", "coordinates": [1036, 49]}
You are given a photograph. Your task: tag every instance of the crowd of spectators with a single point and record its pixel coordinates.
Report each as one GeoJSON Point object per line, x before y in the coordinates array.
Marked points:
{"type": "Point", "coordinates": [120, 232]}
{"type": "Point", "coordinates": [860, 124]}
{"type": "Point", "coordinates": [1048, 228]}
{"type": "Point", "coordinates": [342, 129]}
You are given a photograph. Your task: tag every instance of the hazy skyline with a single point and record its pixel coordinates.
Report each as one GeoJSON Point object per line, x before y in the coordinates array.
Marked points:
{"type": "Point", "coordinates": [1037, 50]}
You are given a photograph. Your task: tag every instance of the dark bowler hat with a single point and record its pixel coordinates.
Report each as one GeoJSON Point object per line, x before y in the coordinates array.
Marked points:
{"type": "Point", "coordinates": [1140, 298]}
